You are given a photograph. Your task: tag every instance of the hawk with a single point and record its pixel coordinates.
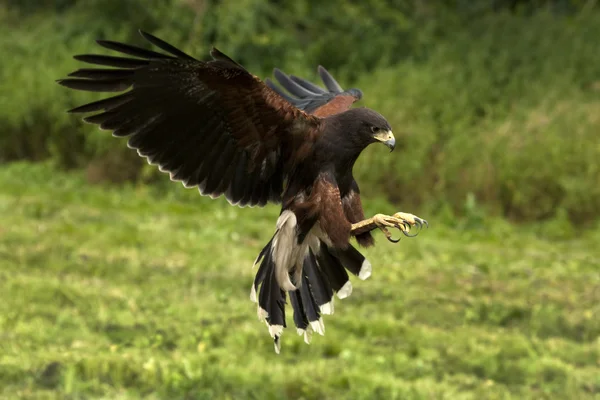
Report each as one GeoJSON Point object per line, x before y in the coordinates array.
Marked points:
{"type": "Point", "coordinates": [215, 126]}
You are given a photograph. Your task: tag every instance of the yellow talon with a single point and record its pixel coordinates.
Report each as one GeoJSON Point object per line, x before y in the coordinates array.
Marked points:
{"type": "Point", "coordinates": [401, 221]}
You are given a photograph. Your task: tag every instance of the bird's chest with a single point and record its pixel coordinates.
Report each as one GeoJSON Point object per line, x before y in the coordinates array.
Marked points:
{"type": "Point", "coordinates": [307, 174]}
{"type": "Point", "coordinates": [344, 182]}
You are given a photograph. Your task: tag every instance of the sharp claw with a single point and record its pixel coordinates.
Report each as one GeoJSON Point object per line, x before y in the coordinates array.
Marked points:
{"type": "Point", "coordinates": [421, 222]}
{"type": "Point", "coordinates": [408, 234]}
{"type": "Point", "coordinates": [400, 222]}
{"type": "Point", "coordinates": [419, 226]}
{"type": "Point", "coordinates": [391, 239]}
{"type": "Point", "coordinates": [401, 227]}
{"type": "Point", "coordinates": [388, 234]}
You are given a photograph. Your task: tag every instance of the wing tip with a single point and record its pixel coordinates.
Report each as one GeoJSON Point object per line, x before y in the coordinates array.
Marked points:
{"type": "Point", "coordinates": [73, 110]}
{"type": "Point", "coordinates": [279, 73]}
{"type": "Point", "coordinates": [330, 83]}
{"type": "Point", "coordinates": [356, 93]}
{"type": "Point", "coordinates": [216, 53]}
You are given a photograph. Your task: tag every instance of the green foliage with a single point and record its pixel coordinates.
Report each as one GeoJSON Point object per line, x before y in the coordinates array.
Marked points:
{"type": "Point", "coordinates": [500, 114]}
{"type": "Point", "coordinates": [495, 104]}
{"type": "Point", "coordinates": [135, 293]}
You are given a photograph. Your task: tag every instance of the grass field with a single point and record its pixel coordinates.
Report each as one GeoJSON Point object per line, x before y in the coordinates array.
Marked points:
{"type": "Point", "coordinates": [122, 293]}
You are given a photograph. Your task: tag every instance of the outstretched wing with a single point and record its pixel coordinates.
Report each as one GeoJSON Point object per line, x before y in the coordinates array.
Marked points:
{"type": "Point", "coordinates": [211, 125]}
{"type": "Point", "coordinates": [311, 98]}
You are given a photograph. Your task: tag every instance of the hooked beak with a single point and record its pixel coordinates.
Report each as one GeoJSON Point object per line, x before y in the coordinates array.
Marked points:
{"type": "Point", "coordinates": [387, 138]}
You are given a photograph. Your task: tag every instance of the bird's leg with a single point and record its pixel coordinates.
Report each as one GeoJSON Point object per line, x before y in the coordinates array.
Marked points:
{"type": "Point", "coordinates": [400, 220]}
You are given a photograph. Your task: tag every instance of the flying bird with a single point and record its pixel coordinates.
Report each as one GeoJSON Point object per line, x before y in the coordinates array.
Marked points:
{"type": "Point", "coordinates": [215, 126]}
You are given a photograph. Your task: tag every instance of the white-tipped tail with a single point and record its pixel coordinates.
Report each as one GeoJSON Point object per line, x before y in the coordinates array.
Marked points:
{"type": "Point", "coordinates": [277, 344]}
{"type": "Point", "coordinates": [275, 330]}
{"type": "Point", "coordinates": [327, 308]}
{"type": "Point", "coordinates": [310, 270]}
{"type": "Point", "coordinates": [318, 326]}
{"type": "Point", "coordinates": [345, 290]}
{"type": "Point", "coordinates": [365, 270]}
{"type": "Point", "coordinates": [262, 314]}
{"type": "Point", "coordinates": [307, 333]}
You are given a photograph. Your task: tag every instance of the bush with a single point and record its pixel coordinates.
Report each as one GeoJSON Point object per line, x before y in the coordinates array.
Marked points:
{"type": "Point", "coordinates": [507, 110]}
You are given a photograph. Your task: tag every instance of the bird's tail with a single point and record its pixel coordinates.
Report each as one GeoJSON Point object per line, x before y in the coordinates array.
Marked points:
{"type": "Point", "coordinates": [323, 275]}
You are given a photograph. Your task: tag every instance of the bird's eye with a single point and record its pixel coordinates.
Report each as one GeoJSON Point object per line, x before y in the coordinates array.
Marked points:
{"type": "Point", "coordinates": [374, 129]}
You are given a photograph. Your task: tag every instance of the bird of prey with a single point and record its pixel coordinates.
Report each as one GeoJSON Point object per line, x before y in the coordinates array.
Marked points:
{"type": "Point", "coordinates": [215, 126]}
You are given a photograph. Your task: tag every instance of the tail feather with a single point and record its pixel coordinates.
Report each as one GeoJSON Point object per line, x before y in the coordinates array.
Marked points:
{"type": "Point", "coordinates": [310, 307]}
{"type": "Point", "coordinates": [300, 318]}
{"type": "Point", "coordinates": [322, 275]}
{"type": "Point", "coordinates": [271, 298]}
{"type": "Point", "coordinates": [264, 258]}
{"type": "Point", "coordinates": [334, 271]}
{"type": "Point", "coordinates": [354, 262]}
{"type": "Point", "coordinates": [303, 326]}
{"type": "Point", "coordinates": [275, 316]}
{"type": "Point", "coordinates": [319, 285]}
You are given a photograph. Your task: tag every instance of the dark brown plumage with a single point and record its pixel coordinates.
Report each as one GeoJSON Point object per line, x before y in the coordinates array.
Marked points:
{"type": "Point", "coordinates": [214, 126]}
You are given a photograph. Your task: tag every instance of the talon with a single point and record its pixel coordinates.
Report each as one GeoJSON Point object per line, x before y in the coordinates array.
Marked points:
{"type": "Point", "coordinates": [386, 232]}
{"type": "Point", "coordinates": [385, 221]}
{"type": "Point", "coordinates": [410, 220]}
{"type": "Point", "coordinates": [400, 225]}
{"type": "Point", "coordinates": [391, 239]}
{"type": "Point", "coordinates": [401, 221]}
{"type": "Point", "coordinates": [420, 222]}
{"type": "Point", "coordinates": [388, 235]}
{"type": "Point", "coordinates": [408, 234]}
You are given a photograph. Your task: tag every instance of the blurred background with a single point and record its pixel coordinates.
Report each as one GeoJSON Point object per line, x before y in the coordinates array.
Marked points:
{"type": "Point", "coordinates": [107, 290]}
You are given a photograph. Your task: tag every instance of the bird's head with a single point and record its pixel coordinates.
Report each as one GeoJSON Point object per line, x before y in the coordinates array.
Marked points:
{"type": "Point", "coordinates": [371, 127]}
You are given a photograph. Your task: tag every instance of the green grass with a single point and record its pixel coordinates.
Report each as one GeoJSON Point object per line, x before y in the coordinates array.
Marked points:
{"type": "Point", "coordinates": [135, 292]}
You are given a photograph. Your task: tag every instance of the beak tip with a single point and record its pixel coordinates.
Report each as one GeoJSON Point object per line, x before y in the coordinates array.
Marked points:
{"type": "Point", "coordinates": [387, 138]}
{"type": "Point", "coordinates": [391, 144]}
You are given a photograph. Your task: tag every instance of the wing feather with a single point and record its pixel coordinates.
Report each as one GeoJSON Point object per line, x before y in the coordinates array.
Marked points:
{"type": "Point", "coordinates": [211, 124]}
{"type": "Point", "coordinates": [161, 44]}
{"type": "Point", "coordinates": [330, 83]}
{"type": "Point", "coordinates": [307, 85]}
{"type": "Point", "coordinates": [311, 98]}
{"type": "Point", "coordinates": [131, 50]}
{"type": "Point", "coordinates": [291, 86]}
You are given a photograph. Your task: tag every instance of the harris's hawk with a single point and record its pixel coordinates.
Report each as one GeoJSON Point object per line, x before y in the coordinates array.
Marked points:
{"type": "Point", "coordinates": [214, 126]}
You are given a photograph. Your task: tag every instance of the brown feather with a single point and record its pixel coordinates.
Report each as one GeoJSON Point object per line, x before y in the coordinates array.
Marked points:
{"type": "Point", "coordinates": [338, 104]}
{"type": "Point", "coordinates": [355, 213]}
{"type": "Point", "coordinates": [220, 99]}
{"type": "Point", "coordinates": [331, 217]}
